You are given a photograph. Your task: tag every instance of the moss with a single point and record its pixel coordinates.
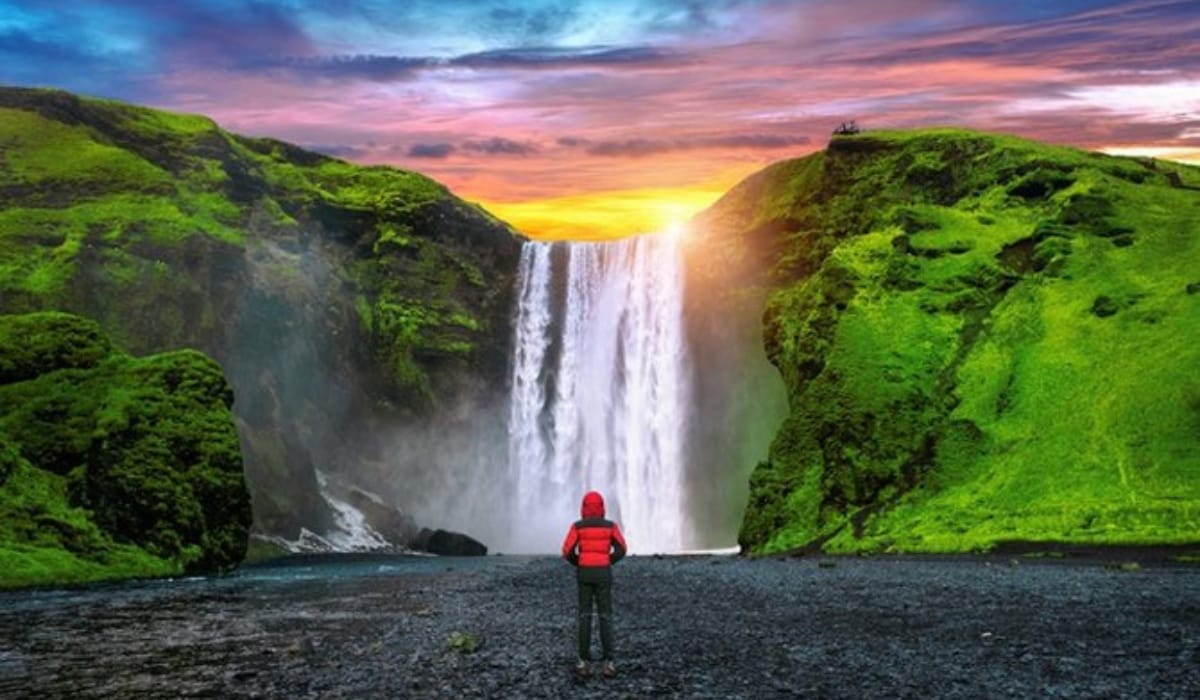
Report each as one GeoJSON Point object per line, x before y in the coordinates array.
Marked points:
{"type": "Point", "coordinates": [376, 188]}
{"type": "Point", "coordinates": [462, 642]}
{"type": "Point", "coordinates": [976, 358]}
{"type": "Point", "coordinates": [126, 467]}
{"type": "Point", "coordinates": [50, 162]}
{"type": "Point", "coordinates": [10, 458]}
{"type": "Point", "coordinates": [26, 566]}
{"type": "Point", "coordinates": [261, 549]}
{"type": "Point", "coordinates": [35, 344]}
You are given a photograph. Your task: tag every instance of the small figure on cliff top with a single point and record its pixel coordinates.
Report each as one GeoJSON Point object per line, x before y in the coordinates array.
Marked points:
{"type": "Point", "coordinates": [592, 546]}
{"type": "Point", "coordinates": [847, 129]}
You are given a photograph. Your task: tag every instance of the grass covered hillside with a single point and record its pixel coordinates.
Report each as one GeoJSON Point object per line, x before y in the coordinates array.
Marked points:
{"type": "Point", "coordinates": [338, 298]}
{"type": "Point", "coordinates": [112, 466]}
{"type": "Point", "coordinates": [983, 339]}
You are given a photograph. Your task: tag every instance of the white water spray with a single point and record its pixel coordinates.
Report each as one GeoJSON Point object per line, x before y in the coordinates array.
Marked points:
{"type": "Point", "coordinates": [599, 391]}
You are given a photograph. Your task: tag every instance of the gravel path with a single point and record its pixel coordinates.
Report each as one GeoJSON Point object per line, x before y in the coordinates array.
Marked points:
{"type": "Point", "coordinates": [368, 627]}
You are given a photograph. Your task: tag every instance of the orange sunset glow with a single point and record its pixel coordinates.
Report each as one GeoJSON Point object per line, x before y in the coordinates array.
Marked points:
{"type": "Point", "coordinates": [612, 214]}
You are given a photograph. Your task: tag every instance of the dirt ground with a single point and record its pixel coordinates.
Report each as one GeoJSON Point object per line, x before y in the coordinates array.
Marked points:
{"type": "Point", "coordinates": [705, 627]}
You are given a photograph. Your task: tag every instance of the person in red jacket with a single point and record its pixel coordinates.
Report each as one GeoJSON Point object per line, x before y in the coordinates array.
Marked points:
{"type": "Point", "coordinates": [592, 546]}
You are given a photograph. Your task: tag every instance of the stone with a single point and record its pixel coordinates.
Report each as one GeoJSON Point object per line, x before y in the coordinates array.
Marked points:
{"type": "Point", "coordinates": [448, 543]}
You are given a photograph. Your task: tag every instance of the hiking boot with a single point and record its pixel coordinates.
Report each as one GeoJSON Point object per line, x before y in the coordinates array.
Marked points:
{"type": "Point", "coordinates": [608, 670]}
{"type": "Point", "coordinates": [583, 669]}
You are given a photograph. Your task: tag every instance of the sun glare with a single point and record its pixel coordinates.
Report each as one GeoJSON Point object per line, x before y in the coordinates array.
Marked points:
{"type": "Point", "coordinates": [675, 230]}
{"type": "Point", "coordinates": [615, 214]}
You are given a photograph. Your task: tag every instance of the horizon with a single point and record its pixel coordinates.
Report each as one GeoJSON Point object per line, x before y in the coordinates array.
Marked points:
{"type": "Point", "coordinates": [600, 120]}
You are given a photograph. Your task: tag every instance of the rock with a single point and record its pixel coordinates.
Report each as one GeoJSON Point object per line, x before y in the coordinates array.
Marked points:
{"type": "Point", "coordinates": [447, 543]}
{"type": "Point", "coordinates": [310, 541]}
{"type": "Point", "coordinates": [395, 526]}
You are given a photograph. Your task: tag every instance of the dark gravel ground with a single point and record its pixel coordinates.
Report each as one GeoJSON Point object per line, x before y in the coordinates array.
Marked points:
{"type": "Point", "coordinates": [379, 627]}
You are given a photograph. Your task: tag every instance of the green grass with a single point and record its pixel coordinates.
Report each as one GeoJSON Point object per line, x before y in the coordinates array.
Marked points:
{"type": "Point", "coordinates": [39, 152]}
{"type": "Point", "coordinates": [45, 541]}
{"type": "Point", "coordinates": [376, 188]}
{"type": "Point", "coordinates": [952, 384]}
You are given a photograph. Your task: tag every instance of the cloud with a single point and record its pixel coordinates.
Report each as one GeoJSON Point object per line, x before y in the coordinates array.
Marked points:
{"type": "Point", "coordinates": [498, 145]}
{"type": "Point", "coordinates": [430, 150]}
{"type": "Point", "coordinates": [555, 57]}
{"type": "Point", "coordinates": [1150, 34]}
{"type": "Point", "coordinates": [393, 68]}
{"type": "Point", "coordinates": [642, 147]}
{"type": "Point", "coordinates": [364, 67]}
{"type": "Point", "coordinates": [573, 141]}
{"type": "Point", "coordinates": [339, 151]}
{"type": "Point", "coordinates": [527, 22]}
{"type": "Point", "coordinates": [38, 58]}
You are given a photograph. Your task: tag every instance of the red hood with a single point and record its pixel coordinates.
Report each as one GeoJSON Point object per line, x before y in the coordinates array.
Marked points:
{"type": "Point", "coordinates": [593, 505]}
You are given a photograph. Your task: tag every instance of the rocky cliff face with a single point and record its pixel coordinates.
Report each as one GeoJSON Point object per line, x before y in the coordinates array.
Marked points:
{"type": "Point", "coordinates": [982, 339]}
{"type": "Point", "coordinates": [342, 301]}
{"type": "Point", "coordinates": [113, 466]}
{"type": "Point", "coordinates": [739, 398]}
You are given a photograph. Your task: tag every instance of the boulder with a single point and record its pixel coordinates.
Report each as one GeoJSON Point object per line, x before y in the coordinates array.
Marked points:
{"type": "Point", "coordinates": [447, 543]}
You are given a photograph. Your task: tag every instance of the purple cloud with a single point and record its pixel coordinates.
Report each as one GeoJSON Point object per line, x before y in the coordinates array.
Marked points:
{"type": "Point", "coordinates": [435, 151]}
{"type": "Point", "coordinates": [641, 147]}
{"type": "Point", "coordinates": [498, 145]}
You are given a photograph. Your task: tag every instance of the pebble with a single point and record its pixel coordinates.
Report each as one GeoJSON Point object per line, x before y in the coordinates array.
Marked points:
{"type": "Point", "coordinates": [685, 627]}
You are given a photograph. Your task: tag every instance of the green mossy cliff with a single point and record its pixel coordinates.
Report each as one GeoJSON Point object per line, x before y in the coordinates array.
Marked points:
{"type": "Point", "coordinates": [113, 466]}
{"type": "Point", "coordinates": [339, 299]}
{"type": "Point", "coordinates": [983, 339]}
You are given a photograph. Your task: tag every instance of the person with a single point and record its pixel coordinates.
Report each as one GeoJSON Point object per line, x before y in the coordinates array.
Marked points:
{"type": "Point", "coordinates": [592, 546]}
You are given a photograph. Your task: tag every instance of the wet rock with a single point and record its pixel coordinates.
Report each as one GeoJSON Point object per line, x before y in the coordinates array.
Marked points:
{"type": "Point", "coordinates": [310, 541]}
{"type": "Point", "coordinates": [447, 543]}
{"type": "Point", "coordinates": [395, 526]}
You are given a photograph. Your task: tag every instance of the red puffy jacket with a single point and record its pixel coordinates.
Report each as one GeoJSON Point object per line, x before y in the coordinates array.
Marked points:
{"type": "Point", "coordinates": [593, 542]}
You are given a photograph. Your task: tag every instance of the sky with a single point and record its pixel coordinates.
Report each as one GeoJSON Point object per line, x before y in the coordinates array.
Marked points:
{"type": "Point", "coordinates": [598, 118]}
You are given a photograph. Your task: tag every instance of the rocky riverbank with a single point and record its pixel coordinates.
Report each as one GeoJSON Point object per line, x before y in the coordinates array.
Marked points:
{"type": "Point", "coordinates": [686, 627]}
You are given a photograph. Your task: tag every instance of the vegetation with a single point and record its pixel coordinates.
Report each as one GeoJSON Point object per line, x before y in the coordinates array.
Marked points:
{"type": "Point", "coordinates": [983, 339]}
{"type": "Point", "coordinates": [300, 273]}
{"type": "Point", "coordinates": [112, 466]}
{"type": "Point", "coordinates": [462, 642]}
{"type": "Point", "coordinates": [112, 196]}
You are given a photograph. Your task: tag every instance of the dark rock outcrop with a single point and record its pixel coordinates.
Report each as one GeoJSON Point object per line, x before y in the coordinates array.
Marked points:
{"type": "Point", "coordinates": [446, 543]}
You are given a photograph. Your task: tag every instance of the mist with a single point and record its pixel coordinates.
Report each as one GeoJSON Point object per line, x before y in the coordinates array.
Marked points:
{"type": "Point", "coordinates": [615, 383]}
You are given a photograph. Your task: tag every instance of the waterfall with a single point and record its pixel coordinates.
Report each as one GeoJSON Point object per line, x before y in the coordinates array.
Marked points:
{"type": "Point", "coordinates": [599, 391]}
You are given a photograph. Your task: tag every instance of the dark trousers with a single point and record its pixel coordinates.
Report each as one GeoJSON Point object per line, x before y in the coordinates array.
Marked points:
{"type": "Point", "coordinates": [599, 590]}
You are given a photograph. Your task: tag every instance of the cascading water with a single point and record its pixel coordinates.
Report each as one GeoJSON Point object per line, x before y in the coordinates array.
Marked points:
{"type": "Point", "coordinates": [600, 390]}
